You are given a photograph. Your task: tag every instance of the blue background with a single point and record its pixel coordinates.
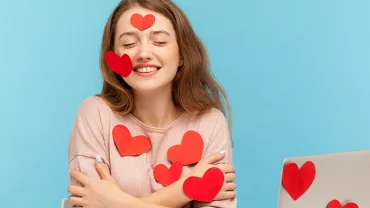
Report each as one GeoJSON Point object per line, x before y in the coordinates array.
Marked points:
{"type": "Point", "coordinates": [297, 73]}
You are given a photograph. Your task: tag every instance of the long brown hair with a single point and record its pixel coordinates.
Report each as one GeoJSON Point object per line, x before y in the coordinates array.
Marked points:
{"type": "Point", "coordinates": [194, 86]}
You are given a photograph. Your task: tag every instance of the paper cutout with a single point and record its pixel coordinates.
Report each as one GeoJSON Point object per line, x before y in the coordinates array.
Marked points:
{"type": "Point", "coordinates": [189, 151]}
{"type": "Point", "coordinates": [204, 189]}
{"type": "Point", "coordinates": [128, 145]}
{"type": "Point", "coordinates": [167, 176]}
{"type": "Point", "coordinates": [336, 204]}
{"type": "Point", "coordinates": [142, 23]}
{"type": "Point", "coordinates": [120, 65]}
{"type": "Point", "coordinates": [297, 181]}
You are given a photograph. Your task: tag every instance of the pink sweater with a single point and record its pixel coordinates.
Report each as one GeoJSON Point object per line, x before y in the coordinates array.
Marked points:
{"type": "Point", "coordinates": [92, 135]}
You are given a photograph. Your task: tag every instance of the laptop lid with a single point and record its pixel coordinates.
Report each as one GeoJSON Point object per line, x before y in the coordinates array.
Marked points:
{"type": "Point", "coordinates": [339, 180]}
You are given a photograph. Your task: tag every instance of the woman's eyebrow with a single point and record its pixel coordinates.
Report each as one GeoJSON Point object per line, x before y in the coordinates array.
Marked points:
{"type": "Point", "coordinates": [127, 33]}
{"type": "Point", "coordinates": [155, 32]}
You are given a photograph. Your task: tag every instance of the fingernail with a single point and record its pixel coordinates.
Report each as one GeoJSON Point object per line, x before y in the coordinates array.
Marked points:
{"type": "Point", "coordinates": [98, 158]}
{"type": "Point", "coordinates": [222, 152]}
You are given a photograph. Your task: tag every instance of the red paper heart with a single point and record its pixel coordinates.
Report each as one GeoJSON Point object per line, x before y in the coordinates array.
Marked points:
{"type": "Point", "coordinates": [206, 188]}
{"type": "Point", "coordinates": [166, 176]}
{"type": "Point", "coordinates": [142, 23]}
{"type": "Point", "coordinates": [336, 204]}
{"type": "Point", "coordinates": [189, 151]}
{"type": "Point", "coordinates": [120, 65]}
{"type": "Point", "coordinates": [128, 145]}
{"type": "Point", "coordinates": [296, 181]}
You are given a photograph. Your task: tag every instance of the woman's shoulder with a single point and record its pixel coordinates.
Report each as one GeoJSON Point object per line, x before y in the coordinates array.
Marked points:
{"type": "Point", "coordinates": [212, 115]}
{"type": "Point", "coordinates": [93, 105]}
{"type": "Point", "coordinates": [210, 119]}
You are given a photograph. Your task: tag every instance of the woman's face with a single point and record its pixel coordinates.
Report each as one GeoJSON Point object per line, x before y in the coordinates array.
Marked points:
{"type": "Point", "coordinates": [154, 51]}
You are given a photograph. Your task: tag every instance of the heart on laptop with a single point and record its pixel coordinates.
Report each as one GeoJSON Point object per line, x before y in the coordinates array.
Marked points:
{"type": "Point", "coordinates": [297, 181]}
{"type": "Point", "coordinates": [336, 204]}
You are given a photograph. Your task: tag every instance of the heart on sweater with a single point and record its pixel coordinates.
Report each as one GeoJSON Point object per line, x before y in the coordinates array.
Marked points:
{"type": "Point", "coordinates": [189, 151]}
{"type": "Point", "coordinates": [167, 176]}
{"type": "Point", "coordinates": [128, 145]}
{"type": "Point", "coordinates": [297, 181]}
{"type": "Point", "coordinates": [336, 204]}
{"type": "Point", "coordinates": [204, 189]}
{"type": "Point", "coordinates": [142, 23]}
{"type": "Point", "coordinates": [120, 65]}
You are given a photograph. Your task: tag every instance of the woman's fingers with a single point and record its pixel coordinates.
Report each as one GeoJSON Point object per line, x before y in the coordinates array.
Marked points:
{"type": "Point", "coordinates": [80, 177]}
{"type": "Point", "coordinates": [75, 201]}
{"type": "Point", "coordinates": [229, 187]}
{"type": "Point", "coordinates": [229, 177]}
{"type": "Point", "coordinates": [223, 195]}
{"type": "Point", "coordinates": [214, 158]}
{"type": "Point", "coordinates": [226, 168]}
{"type": "Point", "coordinates": [76, 190]}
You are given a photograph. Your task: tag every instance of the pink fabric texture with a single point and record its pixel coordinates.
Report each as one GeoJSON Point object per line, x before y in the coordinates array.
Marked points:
{"type": "Point", "coordinates": [92, 135]}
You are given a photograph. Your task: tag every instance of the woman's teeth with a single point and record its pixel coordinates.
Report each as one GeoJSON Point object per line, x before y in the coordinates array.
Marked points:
{"type": "Point", "coordinates": [146, 69]}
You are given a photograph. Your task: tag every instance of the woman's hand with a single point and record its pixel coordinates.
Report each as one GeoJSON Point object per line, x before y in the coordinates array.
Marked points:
{"type": "Point", "coordinates": [228, 189]}
{"type": "Point", "coordinates": [103, 193]}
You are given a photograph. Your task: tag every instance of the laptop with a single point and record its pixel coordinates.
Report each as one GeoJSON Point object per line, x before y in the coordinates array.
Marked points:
{"type": "Point", "coordinates": [339, 180]}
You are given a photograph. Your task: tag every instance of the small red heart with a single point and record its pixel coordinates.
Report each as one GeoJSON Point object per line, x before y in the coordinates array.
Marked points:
{"type": "Point", "coordinates": [336, 204]}
{"type": "Point", "coordinates": [142, 23]}
{"type": "Point", "coordinates": [128, 145]}
{"type": "Point", "coordinates": [204, 189]}
{"type": "Point", "coordinates": [120, 65]}
{"type": "Point", "coordinates": [190, 151]}
{"type": "Point", "coordinates": [297, 181]}
{"type": "Point", "coordinates": [166, 176]}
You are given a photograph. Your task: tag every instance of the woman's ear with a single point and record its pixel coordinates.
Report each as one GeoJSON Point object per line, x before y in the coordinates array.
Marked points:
{"type": "Point", "coordinates": [181, 63]}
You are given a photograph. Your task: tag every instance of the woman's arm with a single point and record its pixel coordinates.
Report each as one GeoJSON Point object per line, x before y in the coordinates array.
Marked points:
{"type": "Point", "coordinates": [171, 196]}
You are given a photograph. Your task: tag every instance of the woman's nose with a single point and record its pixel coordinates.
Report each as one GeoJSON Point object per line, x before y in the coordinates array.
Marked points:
{"type": "Point", "coordinates": [145, 52]}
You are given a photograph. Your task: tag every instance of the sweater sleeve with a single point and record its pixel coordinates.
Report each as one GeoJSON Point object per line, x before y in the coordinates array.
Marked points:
{"type": "Point", "coordinates": [220, 140]}
{"type": "Point", "coordinates": [88, 138]}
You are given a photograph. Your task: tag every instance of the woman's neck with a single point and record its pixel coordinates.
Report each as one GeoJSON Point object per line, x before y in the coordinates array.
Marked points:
{"type": "Point", "coordinates": [156, 108]}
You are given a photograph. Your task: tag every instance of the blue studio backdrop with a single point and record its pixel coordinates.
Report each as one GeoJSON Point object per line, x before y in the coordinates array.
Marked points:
{"type": "Point", "coordinates": [297, 74]}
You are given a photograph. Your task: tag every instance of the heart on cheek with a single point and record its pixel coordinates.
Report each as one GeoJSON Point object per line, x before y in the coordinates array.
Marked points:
{"type": "Point", "coordinates": [167, 176]}
{"type": "Point", "coordinates": [204, 189]}
{"type": "Point", "coordinates": [189, 151]}
{"type": "Point", "coordinates": [128, 145]}
{"type": "Point", "coordinates": [336, 204]}
{"type": "Point", "coordinates": [297, 181]}
{"type": "Point", "coordinates": [120, 65]}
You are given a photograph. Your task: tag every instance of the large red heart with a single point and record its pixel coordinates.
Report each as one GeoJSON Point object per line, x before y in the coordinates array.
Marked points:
{"type": "Point", "coordinates": [167, 176]}
{"type": "Point", "coordinates": [336, 204]}
{"type": "Point", "coordinates": [296, 181]}
{"type": "Point", "coordinates": [120, 65]}
{"type": "Point", "coordinates": [189, 151]}
{"type": "Point", "coordinates": [142, 23]}
{"type": "Point", "coordinates": [128, 145]}
{"type": "Point", "coordinates": [204, 189]}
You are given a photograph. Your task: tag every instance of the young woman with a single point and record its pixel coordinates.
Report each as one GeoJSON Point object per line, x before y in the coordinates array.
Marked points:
{"type": "Point", "coordinates": [169, 93]}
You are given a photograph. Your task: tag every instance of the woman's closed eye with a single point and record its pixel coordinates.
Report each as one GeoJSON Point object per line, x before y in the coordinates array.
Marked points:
{"type": "Point", "coordinates": [161, 43]}
{"type": "Point", "coordinates": [128, 44]}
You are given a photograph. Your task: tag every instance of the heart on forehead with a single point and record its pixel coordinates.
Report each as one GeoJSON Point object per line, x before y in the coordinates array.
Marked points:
{"type": "Point", "coordinates": [142, 23]}
{"type": "Point", "coordinates": [189, 151]}
{"type": "Point", "coordinates": [297, 181]}
{"type": "Point", "coordinates": [336, 204]}
{"type": "Point", "coordinates": [120, 65]}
